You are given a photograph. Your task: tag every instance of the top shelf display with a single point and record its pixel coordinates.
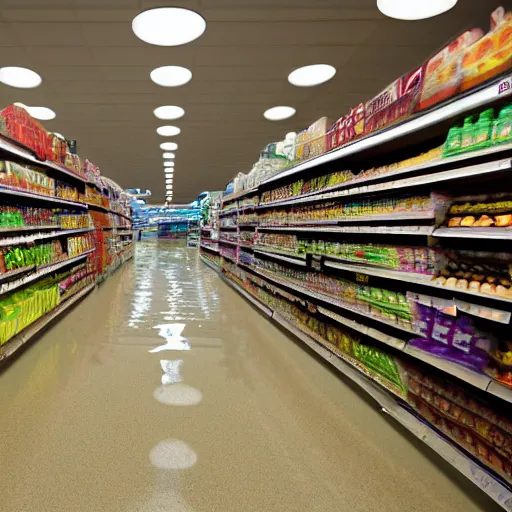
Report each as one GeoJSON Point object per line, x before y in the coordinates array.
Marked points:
{"type": "Point", "coordinates": [412, 114]}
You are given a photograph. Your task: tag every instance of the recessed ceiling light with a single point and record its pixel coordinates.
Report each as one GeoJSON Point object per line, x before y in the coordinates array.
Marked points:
{"type": "Point", "coordinates": [278, 113]}
{"type": "Point", "coordinates": [41, 113]}
{"type": "Point", "coordinates": [168, 164]}
{"type": "Point", "coordinates": [169, 112]}
{"type": "Point", "coordinates": [168, 181]}
{"type": "Point", "coordinates": [22, 78]}
{"type": "Point", "coordinates": [169, 146]}
{"type": "Point", "coordinates": [308, 76]}
{"type": "Point", "coordinates": [168, 131]}
{"type": "Point", "coordinates": [171, 76]}
{"type": "Point", "coordinates": [166, 155]}
{"type": "Point", "coordinates": [168, 26]}
{"type": "Point", "coordinates": [414, 10]}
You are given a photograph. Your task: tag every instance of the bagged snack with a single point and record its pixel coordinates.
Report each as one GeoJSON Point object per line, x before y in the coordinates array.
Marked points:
{"type": "Point", "coordinates": [312, 141]}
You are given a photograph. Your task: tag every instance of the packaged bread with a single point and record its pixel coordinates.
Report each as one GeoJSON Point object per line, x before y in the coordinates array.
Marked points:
{"type": "Point", "coordinates": [468, 221]}
{"type": "Point", "coordinates": [454, 222]}
{"type": "Point", "coordinates": [503, 220]}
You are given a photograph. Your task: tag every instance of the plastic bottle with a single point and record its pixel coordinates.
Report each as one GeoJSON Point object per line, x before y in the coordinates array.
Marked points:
{"type": "Point", "coordinates": [467, 134]}
{"type": "Point", "coordinates": [483, 129]}
{"type": "Point", "coordinates": [502, 128]}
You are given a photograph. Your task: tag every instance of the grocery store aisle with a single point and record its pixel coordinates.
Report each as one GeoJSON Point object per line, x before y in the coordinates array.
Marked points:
{"type": "Point", "coordinates": [165, 391]}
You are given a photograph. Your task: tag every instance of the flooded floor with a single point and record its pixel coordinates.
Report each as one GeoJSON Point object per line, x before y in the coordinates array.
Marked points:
{"type": "Point", "coordinates": [166, 391]}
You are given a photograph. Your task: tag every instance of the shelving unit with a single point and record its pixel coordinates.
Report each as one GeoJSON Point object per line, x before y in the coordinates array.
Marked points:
{"type": "Point", "coordinates": [274, 273]}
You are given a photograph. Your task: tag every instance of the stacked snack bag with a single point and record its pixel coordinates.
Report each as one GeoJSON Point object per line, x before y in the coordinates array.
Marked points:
{"type": "Point", "coordinates": [22, 177]}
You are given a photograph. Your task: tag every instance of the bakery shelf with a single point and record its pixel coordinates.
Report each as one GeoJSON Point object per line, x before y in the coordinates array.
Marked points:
{"type": "Point", "coordinates": [5, 242]}
{"type": "Point", "coordinates": [40, 272]}
{"type": "Point", "coordinates": [289, 259]}
{"type": "Point", "coordinates": [264, 309]}
{"type": "Point", "coordinates": [13, 148]}
{"type": "Point", "coordinates": [328, 299]}
{"type": "Point", "coordinates": [41, 197]}
{"type": "Point", "coordinates": [489, 233]}
{"type": "Point", "coordinates": [210, 264]}
{"type": "Point", "coordinates": [210, 248]}
{"type": "Point", "coordinates": [409, 277]}
{"type": "Point", "coordinates": [360, 186]}
{"type": "Point", "coordinates": [12, 345]}
{"type": "Point", "coordinates": [412, 126]}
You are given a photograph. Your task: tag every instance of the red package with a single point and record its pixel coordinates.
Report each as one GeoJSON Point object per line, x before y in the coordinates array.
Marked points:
{"type": "Point", "coordinates": [395, 102]}
{"type": "Point", "coordinates": [443, 75]}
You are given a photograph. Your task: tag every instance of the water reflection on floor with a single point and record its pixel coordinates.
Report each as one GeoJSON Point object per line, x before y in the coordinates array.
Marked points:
{"type": "Point", "coordinates": [165, 391]}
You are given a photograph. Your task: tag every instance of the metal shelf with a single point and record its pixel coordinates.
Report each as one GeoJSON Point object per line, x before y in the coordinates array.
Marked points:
{"type": "Point", "coordinates": [210, 248]}
{"type": "Point", "coordinates": [12, 345]}
{"type": "Point", "coordinates": [5, 242]}
{"type": "Point", "coordinates": [289, 259]}
{"type": "Point", "coordinates": [210, 264]}
{"type": "Point", "coordinates": [264, 309]}
{"type": "Point", "coordinates": [408, 277]}
{"type": "Point", "coordinates": [228, 242]}
{"type": "Point", "coordinates": [489, 233]}
{"type": "Point", "coordinates": [385, 230]}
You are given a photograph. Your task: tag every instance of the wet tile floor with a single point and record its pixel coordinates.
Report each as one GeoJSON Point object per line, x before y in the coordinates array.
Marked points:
{"type": "Point", "coordinates": [166, 391]}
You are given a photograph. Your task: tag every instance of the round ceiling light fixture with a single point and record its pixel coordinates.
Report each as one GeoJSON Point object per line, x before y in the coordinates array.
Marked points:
{"type": "Point", "coordinates": [169, 180]}
{"type": "Point", "coordinates": [168, 131]}
{"type": "Point", "coordinates": [168, 26]}
{"type": "Point", "coordinates": [41, 113]}
{"type": "Point", "coordinates": [308, 76]}
{"type": "Point", "coordinates": [169, 146]}
{"type": "Point", "coordinates": [169, 112]}
{"type": "Point", "coordinates": [166, 155]}
{"type": "Point", "coordinates": [278, 113]}
{"type": "Point", "coordinates": [171, 76]}
{"type": "Point", "coordinates": [23, 78]}
{"type": "Point", "coordinates": [168, 164]}
{"type": "Point", "coordinates": [414, 10]}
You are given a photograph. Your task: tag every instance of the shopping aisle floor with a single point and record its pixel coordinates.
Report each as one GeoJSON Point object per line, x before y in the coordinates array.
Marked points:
{"type": "Point", "coordinates": [165, 391]}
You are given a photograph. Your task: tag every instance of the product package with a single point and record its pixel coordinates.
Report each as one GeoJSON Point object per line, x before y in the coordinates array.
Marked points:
{"type": "Point", "coordinates": [312, 141]}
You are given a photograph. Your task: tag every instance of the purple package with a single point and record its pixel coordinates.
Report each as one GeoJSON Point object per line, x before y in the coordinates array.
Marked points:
{"type": "Point", "coordinates": [443, 329]}
{"type": "Point", "coordinates": [424, 319]}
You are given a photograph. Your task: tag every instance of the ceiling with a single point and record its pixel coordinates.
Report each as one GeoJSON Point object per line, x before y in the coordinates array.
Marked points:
{"type": "Point", "coordinates": [96, 76]}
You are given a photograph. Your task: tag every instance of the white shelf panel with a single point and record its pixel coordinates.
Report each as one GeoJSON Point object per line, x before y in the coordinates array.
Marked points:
{"type": "Point", "coordinates": [470, 102]}
{"type": "Point", "coordinates": [210, 248]}
{"type": "Point", "coordinates": [359, 186]}
{"type": "Point", "coordinates": [10, 347]}
{"type": "Point", "coordinates": [384, 230]}
{"type": "Point", "coordinates": [500, 390]}
{"type": "Point", "coordinates": [14, 149]}
{"type": "Point", "coordinates": [490, 233]}
{"type": "Point", "coordinates": [228, 242]}
{"type": "Point", "coordinates": [296, 261]}
{"type": "Point", "coordinates": [25, 239]}
{"type": "Point", "coordinates": [41, 272]}
{"type": "Point", "coordinates": [210, 264]}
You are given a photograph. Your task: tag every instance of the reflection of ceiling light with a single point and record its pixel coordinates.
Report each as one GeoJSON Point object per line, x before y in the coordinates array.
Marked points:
{"type": "Point", "coordinates": [178, 394]}
{"type": "Point", "coordinates": [171, 76]}
{"type": "Point", "coordinates": [308, 76]}
{"type": "Point", "coordinates": [172, 454]}
{"type": "Point", "coordinates": [168, 26]}
{"type": "Point", "coordinates": [166, 155]}
{"type": "Point", "coordinates": [169, 112]}
{"type": "Point", "coordinates": [22, 78]}
{"type": "Point", "coordinates": [278, 113]}
{"type": "Point", "coordinates": [168, 164]}
{"type": "Point", "coordinates": [41, 113]}
{"type": "Point", "coordinates": [414, 10]}
{"type": "Point", "coordinates": [169, 146]}
{"type": "Point", "coordinates": [168, 131]}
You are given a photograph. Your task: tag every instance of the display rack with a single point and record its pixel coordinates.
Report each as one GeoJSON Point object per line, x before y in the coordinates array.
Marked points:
{"type": "Point", "coordinates": [279, 256]}
{"type": "Point", "coordinates": [62, 231]}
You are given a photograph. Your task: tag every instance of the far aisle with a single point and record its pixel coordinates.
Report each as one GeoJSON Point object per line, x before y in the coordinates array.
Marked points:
{"type": "Point", "coordinates": [166, 391]}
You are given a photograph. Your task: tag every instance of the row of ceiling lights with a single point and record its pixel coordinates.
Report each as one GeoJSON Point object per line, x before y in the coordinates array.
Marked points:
{"type": "Point", "coordinates": [168, 26]}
